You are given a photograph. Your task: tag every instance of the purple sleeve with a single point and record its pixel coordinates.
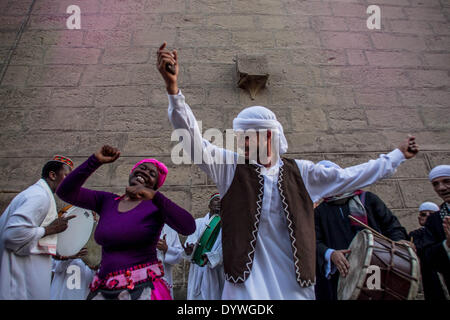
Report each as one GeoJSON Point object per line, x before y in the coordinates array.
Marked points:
{"type": "Point", "coordinates": [175, 217]}
{"type": "Point", "coordinates": [70, 189]}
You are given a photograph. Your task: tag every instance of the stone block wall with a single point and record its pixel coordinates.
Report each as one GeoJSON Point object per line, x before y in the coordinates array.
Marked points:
{"type": "Point", "coordinates": [342, 92]}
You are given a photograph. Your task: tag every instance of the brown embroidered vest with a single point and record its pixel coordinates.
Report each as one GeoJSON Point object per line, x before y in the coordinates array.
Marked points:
{"type": "Point", "coordinates": [241, 210]}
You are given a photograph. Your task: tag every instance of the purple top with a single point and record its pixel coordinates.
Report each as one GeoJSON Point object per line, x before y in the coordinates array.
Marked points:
{"type": "Point", "coordinates": [127, 238]}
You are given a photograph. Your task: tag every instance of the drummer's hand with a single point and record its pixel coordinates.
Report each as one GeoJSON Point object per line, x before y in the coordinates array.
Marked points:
{"type": "Point", "coordinates": [58, 257]}
{"type": "Point", "coordinates": [107, 154]}
{"type": "Point", "coordinates": [340, 261]}
{"type": "Point", "coordinates": [188, 248]}
{"type": "Point", "coordinates": [139, 192]}
{"type": "Point", "coordinates": [205, 259]}
{"type": "Point", "coordinates": [58, 225]}
{"type": "Point", "coordinates": [446, 226]}
{"type": "Point", "coordinates": [162, 244]}
{"type": "Point", "coordinates": [80, 254]}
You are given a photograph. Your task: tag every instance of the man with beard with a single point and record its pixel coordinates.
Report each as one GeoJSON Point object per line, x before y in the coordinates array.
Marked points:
{"type": "Point", "coordinates": [268, 236]}
{"type": "Point", "coordinates": [425, 209]}
{"type": "Point", "coordinates": [433, 245]}
{"type": "Point", "coordinates": [335, 231]}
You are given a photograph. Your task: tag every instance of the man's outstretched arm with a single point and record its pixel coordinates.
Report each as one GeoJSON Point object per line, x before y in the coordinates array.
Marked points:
{"type": "Point", "coordinates": [324, 182]}
{"type": "Point", "coordinates": [200, 151]}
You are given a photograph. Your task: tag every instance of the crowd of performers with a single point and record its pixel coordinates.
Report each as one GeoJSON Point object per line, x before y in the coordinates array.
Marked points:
{"type": "Point", "coordinates": [285, 224]}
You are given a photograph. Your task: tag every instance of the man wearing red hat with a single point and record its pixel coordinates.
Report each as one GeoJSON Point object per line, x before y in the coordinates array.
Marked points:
{"type": "Point", "coordinates": [28, 229]}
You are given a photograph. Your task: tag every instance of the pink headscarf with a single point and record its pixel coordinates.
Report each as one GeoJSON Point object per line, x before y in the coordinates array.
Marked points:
{"type": "Point", "coordinates": [162, 169]}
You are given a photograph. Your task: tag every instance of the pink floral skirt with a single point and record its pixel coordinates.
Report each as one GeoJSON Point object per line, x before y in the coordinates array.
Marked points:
{"type": "Point", "coordinates": [141, 282]}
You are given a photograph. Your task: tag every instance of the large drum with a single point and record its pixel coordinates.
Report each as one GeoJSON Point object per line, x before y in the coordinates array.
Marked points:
{"type": "Point", "coordinates": [398, 270]}
{"type": "Point", "coordinates": [207, 240]}
{"type": "Point", "coordinates": [79, 233]}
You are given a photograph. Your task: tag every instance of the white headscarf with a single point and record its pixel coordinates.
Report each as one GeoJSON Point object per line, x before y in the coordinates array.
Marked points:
{"type": "Point", "coordinates": [440, 171]}
{"type": "Point", "coordinates": [257, 118]}
{"type": "Point", "coordinates": [430, 206]}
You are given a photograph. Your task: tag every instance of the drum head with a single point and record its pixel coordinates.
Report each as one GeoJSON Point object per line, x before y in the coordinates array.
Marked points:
{"type": "Point", "coordinates": [359, 260]}
{"type": "Point", "coordinates": [206, 240]}
{"type": "Point", "coordinates": [79, 229]}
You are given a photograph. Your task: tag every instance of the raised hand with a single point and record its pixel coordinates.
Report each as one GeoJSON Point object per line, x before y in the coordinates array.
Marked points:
{"type": "Point", "coordinates": [166, 58]}
{"type": "Point", "coordinates": [409, 147]}
{"type": "Point", "coordinates": [162, 244]}
{"type": "Point", "coordinates": [107, 154]}
{"type": "Point", "coordinates": [188, 248]}
{"type": "Point", "coordinates": [340, 261]}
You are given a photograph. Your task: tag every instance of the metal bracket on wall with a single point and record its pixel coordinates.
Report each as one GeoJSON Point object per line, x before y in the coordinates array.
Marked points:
{"type": "Point", "coordinates": [252, 73]}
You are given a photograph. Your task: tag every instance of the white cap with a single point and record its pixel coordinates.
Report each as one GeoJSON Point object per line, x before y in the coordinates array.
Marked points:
{"type": "Point", "coordinates": [439, 171]}
{"type": "Point", "coordinates": [431, 206]}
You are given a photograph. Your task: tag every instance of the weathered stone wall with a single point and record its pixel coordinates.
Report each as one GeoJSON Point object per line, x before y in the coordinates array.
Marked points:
{"type": "Point", "coordinates": [343, 92]}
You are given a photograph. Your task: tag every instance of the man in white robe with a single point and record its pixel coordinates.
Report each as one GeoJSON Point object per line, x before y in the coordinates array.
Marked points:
{"type": "Point", "coordinates": [71, 279]}
{"type": "Point", "coordinates": [169, 252]}
{"type": "Point", "coordinates": [205, 283]}
{"type": "Point", "coordinates": [273, 269]}
{"type": "Point", "coordinates": [28, 229]}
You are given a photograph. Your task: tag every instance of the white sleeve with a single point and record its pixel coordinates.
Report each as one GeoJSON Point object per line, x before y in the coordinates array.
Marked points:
{"type": "Point", "coordinates": [54, 264]}
{"type": "Point", "coordinates": [62, 265]}
{"type": "Point", "coordinates": [200, 151]}
{"type": "Point", "coordinates": [174, 249]}
{"type": "Point", "coordinates": [192, 239]}
{"type": "Point", "coordinates": [215, 257]}
{"type": "Point", "coordinates": [23, 230]}
{"type": "Point", "coordinates": [85, 270]}
{"type": "Point", "coordinates": [321, 182]}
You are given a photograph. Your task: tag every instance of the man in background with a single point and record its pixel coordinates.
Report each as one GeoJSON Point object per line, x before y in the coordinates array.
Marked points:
{"type": "Point", "coordinates": [28, 229]}
{"type": "Point", "coordinates": [335, 231]}
{"type": "Point", "coordinates": [206, 283]}
{"type": "Point", "coordinates": [434, 243]}
{"type": "Point", "coordinates": [169, 251]}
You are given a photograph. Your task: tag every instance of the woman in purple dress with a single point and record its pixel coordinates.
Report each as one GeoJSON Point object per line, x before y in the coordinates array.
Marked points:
{"type": "Point", "coordinates": [129, 227]}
